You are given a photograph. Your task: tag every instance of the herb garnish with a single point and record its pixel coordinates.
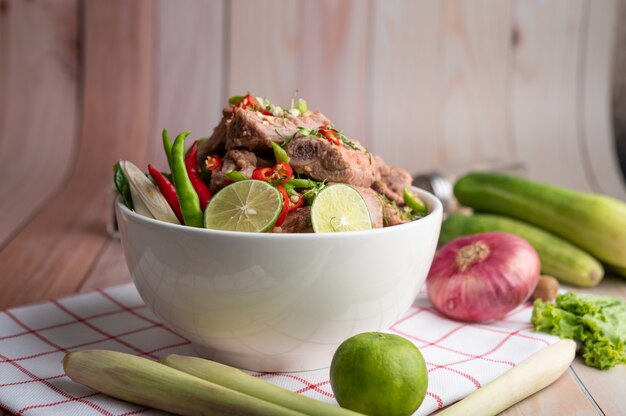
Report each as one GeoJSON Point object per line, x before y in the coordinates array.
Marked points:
{"type": "Point", "coordinates": [305, 131]}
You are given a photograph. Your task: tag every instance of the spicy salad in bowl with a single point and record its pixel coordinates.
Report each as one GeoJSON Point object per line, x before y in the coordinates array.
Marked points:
{"type": "Point", "coordinates": [293, 237]}
{"type": "Point", "coordinates": [271, 169]}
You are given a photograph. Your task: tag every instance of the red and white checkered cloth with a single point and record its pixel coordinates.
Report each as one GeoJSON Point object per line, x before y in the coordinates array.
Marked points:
{"type": "Point", "coordinates": [33, 339]}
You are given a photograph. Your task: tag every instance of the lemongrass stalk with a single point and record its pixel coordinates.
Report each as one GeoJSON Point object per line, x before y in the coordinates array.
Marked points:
{"type": "Point", "coordinates": [149, 383]}
{"type": "Point", "coordinates": [530, 376]}
{"type": "Point", "coordinates": [237, 380]}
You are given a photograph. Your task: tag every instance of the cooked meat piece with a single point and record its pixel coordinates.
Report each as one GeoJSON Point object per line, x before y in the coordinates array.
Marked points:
{"type": "Point", "coordinates": [322, 160]}
{"type": "Point", "coordinates": [392, 181]}
{"type": "Point", "coordinates": [397, 179]}
{"type": "Point", "coordinates": [241, 160]}
{"type": "Point", "coordinates": [393, 216]}
{"type": "Point", "coordinates": [297, 221]}
{"type": "Point", "coordinates": [216, 143]}
{"type": "Point", "coordinates": [383, 169]}
{"type": "Point", "coordinates": [255, 131]}
{"type": "Point", "coordinates": [374, 205]}
{"type": "Point", "coordinates": [384, 189]}
{"type": "Point", "coordinates": [244, 160]}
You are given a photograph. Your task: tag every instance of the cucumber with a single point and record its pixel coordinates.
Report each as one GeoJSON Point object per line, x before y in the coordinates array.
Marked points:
{"type": "Point", "coordinates": [593, 222]}
{"type": "Point", "coordinates": [559, 258]}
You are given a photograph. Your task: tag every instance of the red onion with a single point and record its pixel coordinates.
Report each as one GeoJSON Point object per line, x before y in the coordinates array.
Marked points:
{"type": "Point", "coordinates": [482, 276]}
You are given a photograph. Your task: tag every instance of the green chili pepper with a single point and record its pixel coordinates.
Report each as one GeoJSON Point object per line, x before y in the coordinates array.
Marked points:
{"type": "Point", "coordinates": [279, 153]}
{"type": "Point", "coordinates": [312, 188]}
{"type": "Point", "coordinates": [187, 196]}
{"type": "Point", "coordinates": [290, 189]}
{"type": "Point", "coordinates": [303, 183]}
{"type": "Point", "coordinates": [235, 176]}
{"type": "Point", "coordinates": [413, 202]}
{"type": "Point", "coordinates": [235, 99]}
{"type": "Point", "coordinates": [167, 146]}
{"type": "Point", "coordinates": [121, 183]}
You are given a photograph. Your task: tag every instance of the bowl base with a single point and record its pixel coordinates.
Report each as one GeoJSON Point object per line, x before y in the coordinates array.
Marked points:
{"type": "Point", "coordinates": [268, 363]}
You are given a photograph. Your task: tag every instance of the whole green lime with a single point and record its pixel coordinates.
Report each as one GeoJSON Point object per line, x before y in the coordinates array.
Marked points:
{"type": "Point", "coordinates": [379, 374]}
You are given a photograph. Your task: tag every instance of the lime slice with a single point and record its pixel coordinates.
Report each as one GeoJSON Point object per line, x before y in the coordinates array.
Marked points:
{"type": "Point", "coordinates": [339, 208]}
{"type": "Point", "coordinates": [248, 205]}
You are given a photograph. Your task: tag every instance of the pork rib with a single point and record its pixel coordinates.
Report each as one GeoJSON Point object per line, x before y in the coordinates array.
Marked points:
{"type": "Point", "coordinates": [322, 160]}
{"type": "Point", "coordinates": [254, 131]}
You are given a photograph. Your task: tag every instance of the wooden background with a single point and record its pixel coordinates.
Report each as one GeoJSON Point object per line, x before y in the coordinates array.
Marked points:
{"type": "Point", "coordinates": [423, 83]}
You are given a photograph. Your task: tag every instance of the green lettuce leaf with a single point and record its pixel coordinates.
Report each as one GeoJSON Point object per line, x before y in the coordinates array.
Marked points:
{"type": "Point", "coordinates": [597, 322]}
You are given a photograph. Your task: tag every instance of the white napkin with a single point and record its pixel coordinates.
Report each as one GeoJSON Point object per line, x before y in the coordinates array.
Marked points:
{"type": "Point", "coordinates": [460, 357]}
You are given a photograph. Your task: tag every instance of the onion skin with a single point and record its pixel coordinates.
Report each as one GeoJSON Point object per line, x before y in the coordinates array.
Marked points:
{"type": "Point", "coordinates": [482, 277]}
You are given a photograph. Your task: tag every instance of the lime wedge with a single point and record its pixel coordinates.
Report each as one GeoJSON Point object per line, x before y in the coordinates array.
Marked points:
{"type": "Point", "coordinates": [249, 205]}
{"type": "Point", "coordinates": [339, 208]}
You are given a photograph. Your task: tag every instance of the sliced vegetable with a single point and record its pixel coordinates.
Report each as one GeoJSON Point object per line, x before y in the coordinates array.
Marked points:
{"type": "Point", "coordinates": [414, 202]}
{"type": "Point", "coordinates": [304, 183]}
{"type": "Point", "coordinates": [248, 101]}
{"type": "Point", "coordinates": [531, 375]}
{"type": "Point", "coordinates": [121, 183]}
{"type": "Point", "coordinates": [235, 176]}
{"type": "Point", "coordinates": [278, 175]}
{"type": "Point", "coordinates": [291, 191]}
{"type": "Point", "coordinates": [310, 188]}
{"type": "Point", "coordinates": [282, 172]}
{"type": "Point", "coordinates": [329, 134]}
{"type": "Point", "coordinates": [295, 201]}
{"type": "Point", "coordinates": [191, 163]}
{"type": "Point", "coordinates": [237, 380]}
{"type": "Point", "coordinates": [483, 276]}
{"type": "Point", "coordinates": [251, 206]}
{"type": "Point", "coordinates": [148, 383]}
{"type": "Point", "coordinates": [340, 208]}
{"type": "Point", "coordinates": [213, 162]}
{"type": "Point", "coordinates": [187, 196]}
{"type": "Point", "coordinates": [235, 99]}
{"type": "Point", "coordinates": [285, 206]}
{"type": "Point", "coordinates": [279, 153]}
{"type": "Point", "coordinates": [262, 174]}
{"type": "Point", "coordinates": [147, 199]}
{"type": "Point", "coordinates": [168, 191]}
{"type": "Point", "coordinates": [302, 106]}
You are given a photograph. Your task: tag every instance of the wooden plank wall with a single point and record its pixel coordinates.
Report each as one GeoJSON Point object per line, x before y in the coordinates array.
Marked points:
{"type": "Point", "coordinates": [422, 83]}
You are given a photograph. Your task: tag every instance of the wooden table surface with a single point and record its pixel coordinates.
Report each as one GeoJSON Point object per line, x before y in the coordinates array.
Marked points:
{"type": "Point", "coordinates": [56, 198]}
{"type": "Point", "coordinates": [580, 391]}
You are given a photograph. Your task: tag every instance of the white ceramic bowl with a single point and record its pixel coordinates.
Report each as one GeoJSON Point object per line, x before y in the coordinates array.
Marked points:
{"type": "Point", "coordinates": [277, 302]}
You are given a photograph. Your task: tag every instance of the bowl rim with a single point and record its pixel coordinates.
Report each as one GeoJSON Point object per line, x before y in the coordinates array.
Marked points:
{"type": "Point", "coordinates": [434, 204]}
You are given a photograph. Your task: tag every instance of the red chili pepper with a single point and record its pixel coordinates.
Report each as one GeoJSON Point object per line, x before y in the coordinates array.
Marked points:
{"type": "Point", "coordinates": [168, 191]}
{"type": "Point", "coordinates": [191, 163]}
{"type": "Point", "coordinates": [283, 213]}
{"type": "Point", "coordinates": [295, 205]}
{"type": "Point", "coordinates": [329, 134]}
{"type": "Point", "coordinates": [213, 162]}
{"type": "Point", "coordinates": [262, 174]}
{"type": "Point", "coordinates": [249, 101]}
{"type": "Point", "coordinates": [278, 175]}
{"type": "Point", "coordinates": [282, 172]}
